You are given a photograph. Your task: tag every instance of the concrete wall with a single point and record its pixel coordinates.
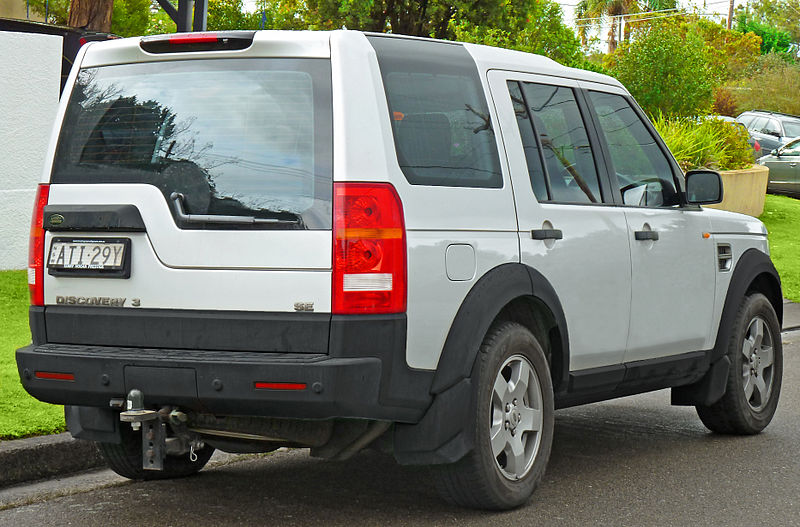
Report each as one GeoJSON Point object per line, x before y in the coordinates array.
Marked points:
{"type": "Point", "coordinates": [744, 190]}
{"type": "Point", "coordinates": [30, 69]}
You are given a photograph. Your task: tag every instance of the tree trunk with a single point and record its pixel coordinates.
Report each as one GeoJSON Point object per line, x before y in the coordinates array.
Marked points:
{"type": "Point", "coordinates": [94, 15]}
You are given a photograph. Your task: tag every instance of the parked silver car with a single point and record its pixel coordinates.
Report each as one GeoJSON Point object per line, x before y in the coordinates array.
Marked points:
{"type": "Point", "coordinates": [784, 168]}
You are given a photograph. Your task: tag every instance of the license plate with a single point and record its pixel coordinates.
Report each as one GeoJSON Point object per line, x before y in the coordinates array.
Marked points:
{"type": "Point", "coordinates": [84, 255]}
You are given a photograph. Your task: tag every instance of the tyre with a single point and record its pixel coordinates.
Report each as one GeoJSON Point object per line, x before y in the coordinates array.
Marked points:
{"type": "Point", "coordinates": [754, 379]}
{"type": "Point", "coordinates": [512, 405]}
{"type": "Point", "coordinates": [126, 459]}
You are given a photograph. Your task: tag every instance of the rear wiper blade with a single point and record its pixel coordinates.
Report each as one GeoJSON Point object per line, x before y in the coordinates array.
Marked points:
{"type": "Point", "coordinates": [177, 204]}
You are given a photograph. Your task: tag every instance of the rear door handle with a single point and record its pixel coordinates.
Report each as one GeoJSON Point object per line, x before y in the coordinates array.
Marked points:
{"type": "Point", "coordinates": [547, 234]}
{"type": "Point", "coordinates": [645, 235]}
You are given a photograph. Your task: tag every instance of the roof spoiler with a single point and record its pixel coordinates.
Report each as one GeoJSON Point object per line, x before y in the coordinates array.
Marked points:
{"type": "Point", "coordinates": [205, 41]}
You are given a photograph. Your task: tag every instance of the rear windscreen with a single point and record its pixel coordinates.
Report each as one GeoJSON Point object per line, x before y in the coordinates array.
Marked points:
{"type": "Point", "coordinates": [235, 137]}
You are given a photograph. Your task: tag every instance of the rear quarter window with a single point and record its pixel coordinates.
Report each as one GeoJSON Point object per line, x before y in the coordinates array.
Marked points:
{"type": "Point", "coordinates": [443, 134]}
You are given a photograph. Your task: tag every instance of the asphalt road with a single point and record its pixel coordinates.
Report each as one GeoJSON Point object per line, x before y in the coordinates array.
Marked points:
{"type": "Point", "coordinates": [634, 461]}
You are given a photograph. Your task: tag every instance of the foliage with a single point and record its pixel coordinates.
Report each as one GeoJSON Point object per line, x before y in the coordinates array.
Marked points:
{"type": "Point", "coordinates": [730, 53]}
{"type": "Point", "coordinates": [130, 17]}
{"type": "Point", "coordinates": [772, 88]}
{"type": "Point", "coordinates": [598, 13]}
{"type": "Point", "coordinates": [783, 15]}
{"type": "Point", "coordinates": [724, 102]}
{"type": "Point", "coordinates": [57, 11]}
{"type": "Point", "coordinates": [540, 30]}
{"type": "Point", "coordinates": [708, 143]}
{"type": "Point", "coordinates": [772, 39]}
{"type": "Point", "coordinates": [229, 14]}
{"type": "Point", "coordinates": [20, 414]}
{"type": "Point", "coordinates": [667, 69]}
{"type": "Point", "coordinates": [780, 216]}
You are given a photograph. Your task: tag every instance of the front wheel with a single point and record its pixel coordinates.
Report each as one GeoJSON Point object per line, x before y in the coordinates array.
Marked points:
{"type": "Point", "coordinates": [513, 427]}
{"type": "Point", "coordinates": [754, 379]}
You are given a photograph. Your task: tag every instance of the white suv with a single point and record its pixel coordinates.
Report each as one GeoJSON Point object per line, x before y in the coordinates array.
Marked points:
{"type": "Point", "coordinates": [338, 240]}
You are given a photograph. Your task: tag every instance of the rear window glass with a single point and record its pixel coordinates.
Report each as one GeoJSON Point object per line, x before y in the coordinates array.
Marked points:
{"type": "Point", "coordinates": [792, 128]}
{"type": "Point", "coordinates": [236, 137]}
{"type": "Point", "coordinates": [442, 130]}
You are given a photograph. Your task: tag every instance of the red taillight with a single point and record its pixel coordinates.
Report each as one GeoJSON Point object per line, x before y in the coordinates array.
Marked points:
{"type": "Point", "coordinates": [756, 146]}
{"type": "Point", "coordinates": [53, 376]}
{"type": "Point", "coordinates": [369, 249]}
{"type": "Point", "coordinates": [36, 247]}
{"type": "Point", "coordinates": [193, 38]}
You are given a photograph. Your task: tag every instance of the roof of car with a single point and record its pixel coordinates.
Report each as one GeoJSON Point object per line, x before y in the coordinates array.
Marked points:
{"type": "Point", "coordinates": [770, 112]}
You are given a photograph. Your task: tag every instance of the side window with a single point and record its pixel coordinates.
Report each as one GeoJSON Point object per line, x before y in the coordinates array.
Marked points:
{"type": "Point", "coordinates": [443, 134]}
{"type": "Point", "coordinates": [746, 119]}
{"type": "Point", "coordinates": [568, 158]}
{"type": "Point", "coordinates": [791, 149]}
{"type": "Point", "coordinates": [758, 124]}
{"type": "Point", "coordinates": [529, 143]}
{"type": "Point", "coordinates": [643, 172]}
{"type": "Point", "coordinates": [772, 127]}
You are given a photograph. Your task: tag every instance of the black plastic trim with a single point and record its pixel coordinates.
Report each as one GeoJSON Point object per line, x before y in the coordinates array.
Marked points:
{"type": "Point", "coordinates": [444, 435]}
{"type": "Point", "coordinates": [361, 374]}
{"type": "Point", "coordinates": [609, 382]}
{"type": "Point", "coordinates": [93, 218]}
{"type": "Point", "coordinates": [186, 329]}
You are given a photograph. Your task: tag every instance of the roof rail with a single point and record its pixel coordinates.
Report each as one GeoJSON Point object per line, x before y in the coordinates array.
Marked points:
{"type": "Point", "coordinates": [777, 113]}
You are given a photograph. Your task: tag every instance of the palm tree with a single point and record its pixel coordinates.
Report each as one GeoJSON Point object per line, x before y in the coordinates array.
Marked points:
{"type": "Point", "coordinates": [603, 11]}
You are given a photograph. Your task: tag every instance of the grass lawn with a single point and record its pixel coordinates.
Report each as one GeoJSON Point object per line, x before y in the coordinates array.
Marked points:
{"type": "Point", "coordinates": [20, 414]}
{"type": "Point", "coordinates": [782, 218]}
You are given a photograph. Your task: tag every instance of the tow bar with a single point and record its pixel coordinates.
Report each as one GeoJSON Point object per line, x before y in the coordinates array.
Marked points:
{"type": "Point", "coordinates": [154, 432]}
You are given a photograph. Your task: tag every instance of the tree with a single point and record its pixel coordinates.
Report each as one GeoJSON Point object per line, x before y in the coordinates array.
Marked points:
{"type": "Point", "coordinates": [93, 15]}
{"type": "Point", "coordinates": [783, 15]}
{"type": "Point", "coordinates": [731, 52]}
{"type": "Point", "coordinates": [772, 39]}
{"type": "Point", "coordinates": [541, 30]}
{"type": "Point", "coordinates": [667, 69]}
{"type": "Point", "coordinates": [598, 12]}
{"type": "Point", "coordinates": [129, 18]}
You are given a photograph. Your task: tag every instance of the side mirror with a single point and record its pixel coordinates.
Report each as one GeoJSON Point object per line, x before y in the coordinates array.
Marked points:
{"type": "Point", "coordinates": [776, 152]}
{"type": "Point", "coordinates": [703, 187]}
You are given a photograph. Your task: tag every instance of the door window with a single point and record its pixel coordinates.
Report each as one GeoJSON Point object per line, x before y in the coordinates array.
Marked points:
{"type": "Point", "coordinates": [791, 149]}
{"type": "Point", "coordinates": [772, 127]}
{"type": "Point", "coordinates": [643, 172]}
{"type": "Point", "coordinates": [559, 138]}
{"type": "Point", "coordinates": [758, 124]}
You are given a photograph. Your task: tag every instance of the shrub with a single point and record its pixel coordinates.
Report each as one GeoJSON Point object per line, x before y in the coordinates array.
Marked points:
{"type": "Point", "coordinates": [724, 102]}
{"type": "Point", "coordinates": [667, 69]}
{"type": "Point", "coordinates": [774, 88]}
{"type": "Point", "coordinates": [709, 143]}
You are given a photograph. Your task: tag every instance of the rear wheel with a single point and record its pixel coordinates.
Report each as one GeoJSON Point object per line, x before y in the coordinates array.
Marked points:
{"type": "Point", "coordinates": [126, 459]}
{"type": "Point", "coordinates": [754, 380]}
{"type": "Point", "coordinates": [513, 427]}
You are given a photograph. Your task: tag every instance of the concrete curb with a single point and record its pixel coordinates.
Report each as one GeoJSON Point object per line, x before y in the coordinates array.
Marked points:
{"type": "Point", "coordinates": [34, 458]}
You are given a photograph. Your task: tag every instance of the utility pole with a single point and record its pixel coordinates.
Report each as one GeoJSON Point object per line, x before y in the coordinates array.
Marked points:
{"type": "Point", "coordinates": [730, 16]}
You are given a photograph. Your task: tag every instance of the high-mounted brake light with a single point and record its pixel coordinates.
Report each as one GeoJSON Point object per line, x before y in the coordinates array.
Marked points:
{"type": "Point", "coordinates": [36, 247]}
{"type": "Point", "coordinates": [185, 42]}
{"type": "Point", "coordinates": [369, 249]}
{"type": "Point", "coordinates": [193, 38]}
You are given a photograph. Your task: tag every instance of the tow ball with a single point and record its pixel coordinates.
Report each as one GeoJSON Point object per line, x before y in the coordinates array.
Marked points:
{"type": "Point", "coordinates": [154, 432]}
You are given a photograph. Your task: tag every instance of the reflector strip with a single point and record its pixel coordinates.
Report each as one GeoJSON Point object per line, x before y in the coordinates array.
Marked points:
{"type": "Point", "coordinates": [368, 282]}
{"type": "Point", "coordinates": [370, 234]}
{"type": "Point", "coordinates": [280, 386]}
{"type": "Point", "coordinates": [52, 376]}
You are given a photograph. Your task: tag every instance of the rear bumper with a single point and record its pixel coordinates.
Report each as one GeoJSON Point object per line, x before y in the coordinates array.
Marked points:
{"type": "Point", "coordinates": [364, 375]}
